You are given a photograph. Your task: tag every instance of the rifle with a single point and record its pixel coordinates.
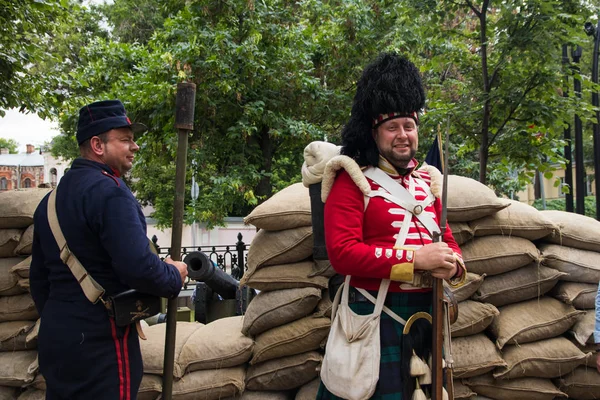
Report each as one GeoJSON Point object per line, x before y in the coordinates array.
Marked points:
{"type": "Point", "coordinates": [438, 294]}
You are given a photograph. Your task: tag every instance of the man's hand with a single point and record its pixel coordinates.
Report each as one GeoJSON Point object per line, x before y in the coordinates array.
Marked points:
{"type": "Point", "coordinates": [181, 267]}
{"type": "Point", "coordinates": [437, 258]}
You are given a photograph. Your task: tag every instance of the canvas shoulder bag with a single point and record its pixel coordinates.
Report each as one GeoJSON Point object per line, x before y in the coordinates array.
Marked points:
{"type": "Point", "coordinates": [350, 366]}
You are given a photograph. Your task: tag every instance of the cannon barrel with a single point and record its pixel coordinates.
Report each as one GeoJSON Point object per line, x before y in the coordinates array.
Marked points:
{"type": "Point", "coordinates": [202, 269]}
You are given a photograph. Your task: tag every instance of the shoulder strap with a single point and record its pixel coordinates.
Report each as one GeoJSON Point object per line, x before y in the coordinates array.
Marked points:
{"type": "Point", "coordinates": [92, 289]}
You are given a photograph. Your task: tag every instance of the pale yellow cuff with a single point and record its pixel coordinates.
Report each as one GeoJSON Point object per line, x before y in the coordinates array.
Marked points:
{"type": "Point", "coordinates": [458, 282]}
{"type": "Point", "coordinates": [403, 272]}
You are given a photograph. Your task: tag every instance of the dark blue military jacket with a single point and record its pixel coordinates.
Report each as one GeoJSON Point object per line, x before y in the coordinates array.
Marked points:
{"type": "Point", "coordinates": [82, 354]}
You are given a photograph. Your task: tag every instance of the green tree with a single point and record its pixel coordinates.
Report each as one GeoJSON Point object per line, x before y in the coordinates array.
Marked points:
{"type": "Point", "coordinates": [10, 144]}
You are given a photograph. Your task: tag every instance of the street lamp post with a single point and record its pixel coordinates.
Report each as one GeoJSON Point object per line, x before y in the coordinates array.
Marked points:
{"type": "Point", "coordinates": [579, 167]}
{"type": "Point", "coordinates": [595, 32]}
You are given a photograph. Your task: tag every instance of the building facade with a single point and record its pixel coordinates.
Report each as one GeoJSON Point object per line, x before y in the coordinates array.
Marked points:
{"type": "Point", "coordinates": [29, 169]}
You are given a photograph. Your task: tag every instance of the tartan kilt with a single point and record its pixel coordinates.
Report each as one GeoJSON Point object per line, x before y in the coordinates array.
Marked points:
{"type": "Point", "coordinates": [390, 385]}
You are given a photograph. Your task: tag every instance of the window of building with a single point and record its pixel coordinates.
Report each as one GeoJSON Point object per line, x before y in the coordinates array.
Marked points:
{"type": "Point", "coordinates": [27, 183]}
{"type": "Point", "coordinates": [3, 183]}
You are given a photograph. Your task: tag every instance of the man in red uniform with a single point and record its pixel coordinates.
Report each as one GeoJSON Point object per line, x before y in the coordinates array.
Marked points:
{"type": "Point", "coordinates": [381, 212]}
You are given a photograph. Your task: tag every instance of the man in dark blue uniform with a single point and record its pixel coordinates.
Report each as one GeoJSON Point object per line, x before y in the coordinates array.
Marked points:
{"type": "Point", "coordinates": [82, 353]}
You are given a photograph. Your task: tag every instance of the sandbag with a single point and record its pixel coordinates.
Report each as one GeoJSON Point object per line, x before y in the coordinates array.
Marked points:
{"type": "Point", "coordinates": [521, 284]}
{"type": "Point", "coordinates": [22, 267]}
{"type": "Point", "coordinates": [150, 388]}
{"type": "Point", "coordinates": [263, 395]}
{"type": "Point", "coordinates": [515, 389]}
{"type": "Point", "coordinates": [324, 306]}
{"type": "Point", "coordinates": [309, 390]}
{"type": "Point", "coordinates": [285, 276]}
{"type": "Point", "coordinates": [582, 384]}
{"type": "Point", "coordinates": [575, 230]}
{"type": "Point", "coordinates": [210, 384]}
{"type": "Point", "coordinates": [8, 393]}
{"type": "Point", "coordinates": [17, 368]}
{"type": "Point", "coordinates": [32, 394]}
{"type": "Point", "coordinates": [279, 247]}
{"type": "Point", "coordinates": [581, 295]}
{"type": "Point", "coordinates": [549, 358]}
{"type": "Point", "coordinates": [219, 344]}
{"type": "Point", "coordinates": [462, 391]}
{"type": "Point", "coordinates": [580, 265]}
{"type": "Point", "coordinates": [461, 231]}
{"type": "Point", "coordinates": [469, 199]}
{"type": "Point", "coordinates": [284, 373]}
{"type": "Point", "coordinates": [17, 308]}
{"type": "Point", "coordinates": [467, 289]}
{"type": "Point", "coordinates": [270, 309]}
{"type": "Point", "coordinates": [519, 219]}
{"type": "Point", "coordinates": [493, 255]}
{"type": "Point", "coordinates": [289, 208]}
{"type": "Point", "coordinates": [583, 329]}
{"type": "Point", "coordinates": [26, 242]}
{"type": "Point", "coordinates": [153, 349]}
{"type": "Point", "coordinates": [9, 240]}
{"type": "Point", "coordinates": [13, 336]}
{"type": "Point", "coordinates": [532, 320]}
{"type": "Point", "coordinates": [9, 280]}
{"type": "Point", "coordinates": [475, 355]}
{"type": "Point", "coordinates": [473, 318]}
{"type": "Point", "coordinates": [18, 207]}
{"type": "Point", "coordinates": [296, 337]}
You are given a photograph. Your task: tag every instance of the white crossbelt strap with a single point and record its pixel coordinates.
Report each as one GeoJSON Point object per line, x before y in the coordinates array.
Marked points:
{"type": "Point", "coordinates": [92, 289]}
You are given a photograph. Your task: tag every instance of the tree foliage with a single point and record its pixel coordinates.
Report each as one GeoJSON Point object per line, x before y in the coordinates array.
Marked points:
{"type": "Point", "coordinates": [10, 144]}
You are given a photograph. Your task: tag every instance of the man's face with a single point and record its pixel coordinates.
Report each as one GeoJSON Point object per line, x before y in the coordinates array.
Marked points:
{"type": "Point", "coordinates": [119, 150]}
{"type": "Point", "coordinates": [397, 140]}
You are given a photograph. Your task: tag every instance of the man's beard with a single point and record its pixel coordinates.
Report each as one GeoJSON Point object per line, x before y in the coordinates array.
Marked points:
{"type": "Point", "coordinates": [398, 161]}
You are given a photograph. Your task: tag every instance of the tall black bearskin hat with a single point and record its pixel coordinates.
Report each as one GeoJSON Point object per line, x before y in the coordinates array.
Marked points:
{"type": "Point", "coordinates": [390, 87]}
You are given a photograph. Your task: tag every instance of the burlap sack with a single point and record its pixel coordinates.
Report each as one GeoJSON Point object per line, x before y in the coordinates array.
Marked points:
{"type": "Point", "coordinates": [475, 355]}
{"type": "Point", "coordinates": [464, 292]}
{"type": "Point", "coordinates": [264, 395]}
{"type": "Point", "coordinates": [581, 295]}
{"type": "Point", "coordinates": [580, 265]}
{"type": "Point", "coordinates": [296, 337]}
{"type": "Point", "coordinates": [153, 349]}
{"type": "Point", "coordinates": [532, 320]}
{"type": "Point", "coordinates": [461, 231]}
{"type": "Point", "coordinates": [17, 308]}
{"type": "Point", "coordinates": [548, 358]}
{"type": "Point", "coordinates": [8, 393]}
{"type": "Point", "coordinates": [576, 230]}
{"type": "Point", "coordinates": [289, 208]}
{"type": "Point", "coordinates": [38, 382]}
{"type": "Point", "coordinates": [324, 306]}
{"type": "Point", "coordinates": [309, 390]}
{"type": "Point", "coordinates": [583, 329]}
{"type": "Point", "coordinates": [219, 344]}
{"type": "Point", "coordinates": [286, 276]}
{"type": "Point", "coordinates": [9, 240]}
{"type": "Point", "coordinates": [24, 246]}
{"type": "Point", "coordinates": [270, 309]}
{"type": "Point", "coordinates": [150, 388]}
{"type": "Point", "coordinates": [8, 279]}
{"type": "Point", "coordinates": [13, 335]}
{"type": "Point", "coordinates": [519, 219]}
{"type": "Point", "coordinates": [493, 255]}
{"type": "Point", "coordinates": [210, 384]}
{"type": "Point", "coordinates": [280, 247]}
{"type": "Point", "coordinates": [521, 284]}
{"type": "Point", "coordinates": [23, 284]}
{"type": "Point", "coordinates": [462, 391]}
{"type": "Point", "coordinates": [473, 318]}
{"type": "Point", "coordinates": [284, 373]}
{"type": "Point", "coordinates": [18, 207]}
{"type": "Point", "coordinates": [324, 268]}
{"type": "Point", "coordinates": [582, 383]}
{"type": "Point", "coordinates": [22, 268]}
{"type": "Point", "coordinates": [32, 394]}
{"type": "Point", "coordinates": [469, 199]}
{"type": "Point", "coordinates": [17, 368]}
{"type": "Point", "coordinates": [515, 389]}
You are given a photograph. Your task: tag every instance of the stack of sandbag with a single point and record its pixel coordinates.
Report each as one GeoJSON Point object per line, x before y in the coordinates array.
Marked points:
{"type": "Point", "coordinates": [289, 319]}
{"type": "Point", "coordinates": [18, 316]}
{"type": "Point", "coordinates": [210, 360]}
{"type": "Point", "coordinates": [510, 340]}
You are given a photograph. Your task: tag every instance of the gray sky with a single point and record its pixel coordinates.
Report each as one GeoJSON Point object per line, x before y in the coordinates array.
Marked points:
{"type": "Point", "coordinates": [27, 129]}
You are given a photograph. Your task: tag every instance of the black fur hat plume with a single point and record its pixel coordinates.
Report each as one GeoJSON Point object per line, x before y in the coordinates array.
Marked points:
{"type": "Point", "coordinates": [390, 84]}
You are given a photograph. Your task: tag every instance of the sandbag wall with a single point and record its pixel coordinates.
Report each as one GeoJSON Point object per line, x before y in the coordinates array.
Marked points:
{"type": "Point", "coordinates": [526, 311]}
{"type": "Point", "coordinates": [19, 321]}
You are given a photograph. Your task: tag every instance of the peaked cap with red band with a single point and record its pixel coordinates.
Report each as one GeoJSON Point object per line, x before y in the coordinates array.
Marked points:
{"type": "Point", "coordinates": [102, 116]}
